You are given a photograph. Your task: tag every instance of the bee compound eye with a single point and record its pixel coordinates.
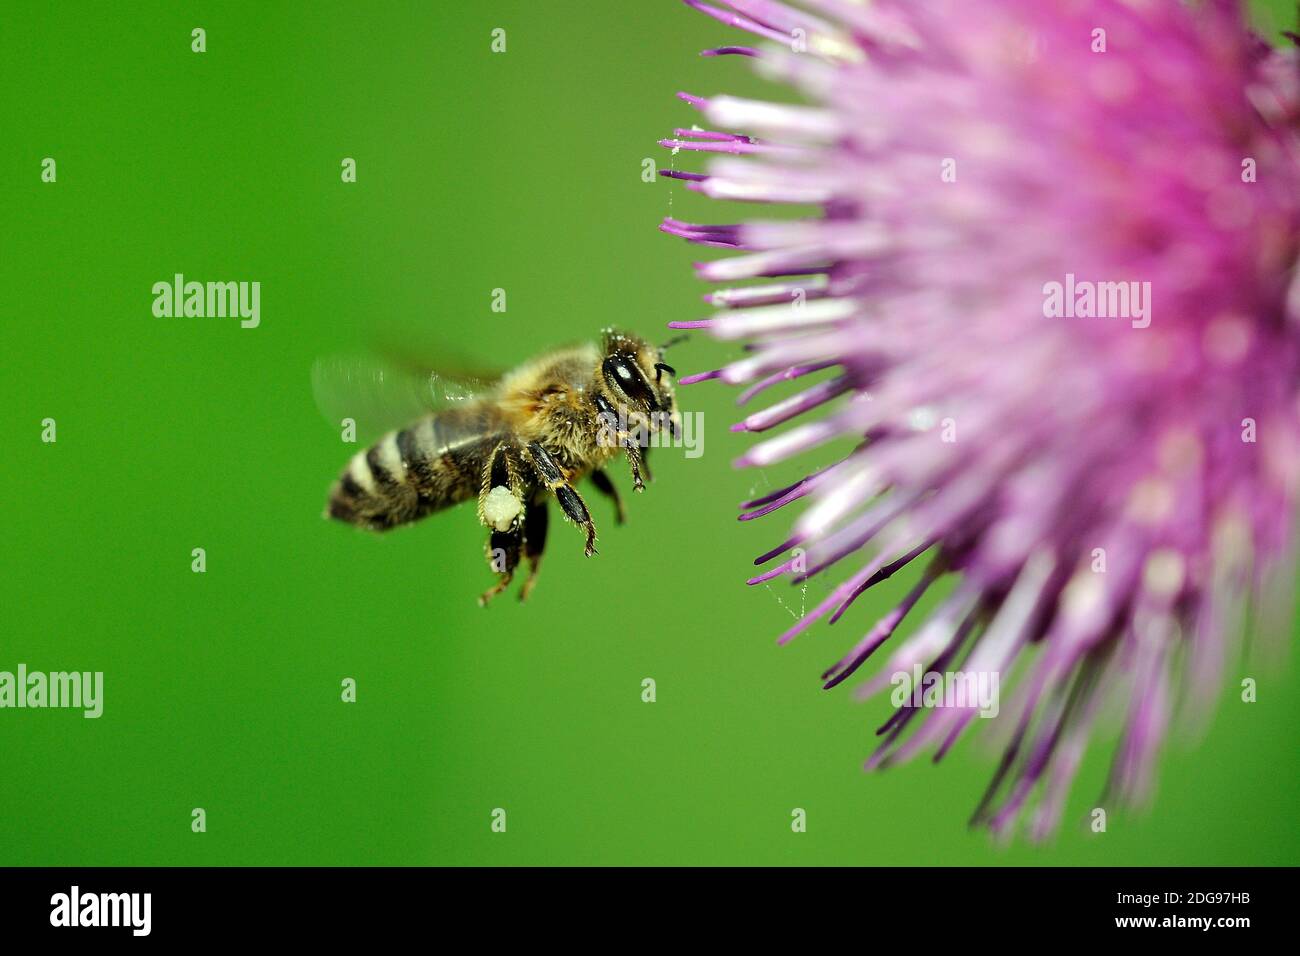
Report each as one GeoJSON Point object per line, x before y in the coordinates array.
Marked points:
{"type": "Point", "coordinates": [617, 374]}
{"type": "Point", "coordinates": [625, 377]}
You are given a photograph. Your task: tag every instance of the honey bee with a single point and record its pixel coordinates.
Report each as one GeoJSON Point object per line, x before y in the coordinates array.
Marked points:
{"type": "Point", "coordinates": [530, 435]}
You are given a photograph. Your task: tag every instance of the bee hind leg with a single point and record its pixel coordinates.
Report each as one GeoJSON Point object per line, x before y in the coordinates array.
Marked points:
{"type": "Point", "coordinates": [500, 507]}
{"type": "Point", "coordinates": [535, 521]}
{"type": "Point", "coordinates": [503, 549]}
{"type": "Point", "coordinates": [552, 478]}
{"type": "Point", "coordinates": [606, 487]}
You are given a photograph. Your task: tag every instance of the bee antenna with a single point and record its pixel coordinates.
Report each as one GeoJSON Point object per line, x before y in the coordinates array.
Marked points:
{"type": "Point", "coordinates": [675, 340]}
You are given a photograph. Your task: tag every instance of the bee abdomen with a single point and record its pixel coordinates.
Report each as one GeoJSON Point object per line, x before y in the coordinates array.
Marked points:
{"type": "Point", "coordinates": [374, 491]}
{"type": "Point", "coordinates": [444, 456]}
{"type": "Point", "coordinates": [405, 476]}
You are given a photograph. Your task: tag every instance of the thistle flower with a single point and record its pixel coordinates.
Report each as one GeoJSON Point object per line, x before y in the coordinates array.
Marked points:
{"type": "Point", "coordinates": [1048, 282]}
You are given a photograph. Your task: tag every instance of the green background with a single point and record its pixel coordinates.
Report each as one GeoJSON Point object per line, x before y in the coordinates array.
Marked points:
{"type": "Point", "coordinates": [475, 171]}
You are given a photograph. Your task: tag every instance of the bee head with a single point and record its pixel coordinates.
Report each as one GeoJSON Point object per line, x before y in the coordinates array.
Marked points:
{"type": "Point", "coordinates": [635, 375]}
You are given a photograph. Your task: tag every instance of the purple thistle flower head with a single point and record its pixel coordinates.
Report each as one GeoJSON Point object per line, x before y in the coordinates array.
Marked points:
{"type": "Point", "coordinates": [1049, 291]}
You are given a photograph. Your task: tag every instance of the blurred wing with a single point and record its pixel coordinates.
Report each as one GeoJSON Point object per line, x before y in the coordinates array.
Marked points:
{"type": "Point", "coordinates": [381, 396]}
{"type": "Point", "coordinates": [437, 362]}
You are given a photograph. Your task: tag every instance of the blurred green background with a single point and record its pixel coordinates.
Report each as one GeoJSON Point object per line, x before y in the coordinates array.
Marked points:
{"type": "Point", "coordinates": [476, 171]}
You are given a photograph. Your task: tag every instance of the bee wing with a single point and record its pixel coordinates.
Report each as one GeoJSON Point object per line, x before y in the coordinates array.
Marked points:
{"type": "Point", "coordinates": [452, 377]}
{"type": "Point", "coordinates": [380, 395]}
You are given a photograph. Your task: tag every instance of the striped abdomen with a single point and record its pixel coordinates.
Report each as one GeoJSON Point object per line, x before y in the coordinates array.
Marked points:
{"type": "Point", "coordinates": [433, 464]}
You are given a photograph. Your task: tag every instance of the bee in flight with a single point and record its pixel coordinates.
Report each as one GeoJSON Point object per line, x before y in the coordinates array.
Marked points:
{"type": "Point", "coordinates": [531, 434]}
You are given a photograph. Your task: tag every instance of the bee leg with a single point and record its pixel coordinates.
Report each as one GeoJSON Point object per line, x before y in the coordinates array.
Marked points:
{"type": "Point", "coordinates": [575, 509]}
{"type": "Point", "coordinates": [535, 520]}
{"type": "Point", "coordinates": [626, 439]}
{"type": "Point", "coordinates": [605, 486]}
{"type": "Point", "coordinates": [500, 503]}
{"type": "Point", "coordinates": [503, 555]}
{"type": "Point", "coordinates": [636, 458]}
